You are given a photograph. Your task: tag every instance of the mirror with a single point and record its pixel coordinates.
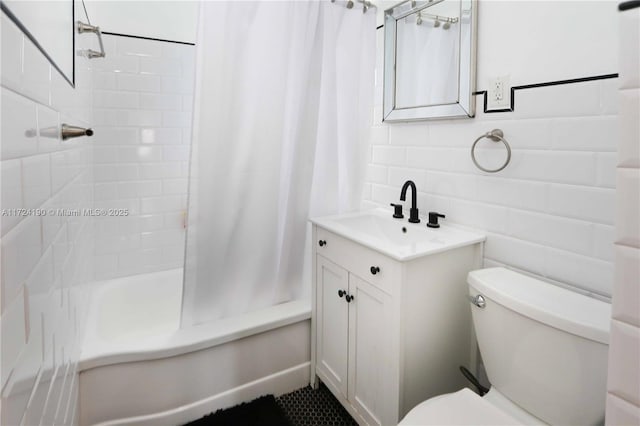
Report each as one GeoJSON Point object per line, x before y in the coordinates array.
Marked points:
{"type": "Point", "coordinates": [50, 26]}
{"type": "Point", "coordinates": [429, 60]}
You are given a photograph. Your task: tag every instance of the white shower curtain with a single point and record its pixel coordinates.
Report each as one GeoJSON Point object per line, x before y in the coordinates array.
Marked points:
{"type": "Point", "coordinates": [282, 114]}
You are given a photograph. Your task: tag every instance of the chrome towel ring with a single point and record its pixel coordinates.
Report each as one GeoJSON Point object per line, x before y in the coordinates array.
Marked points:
{"type": "Point", "coordinates": [495, 135]}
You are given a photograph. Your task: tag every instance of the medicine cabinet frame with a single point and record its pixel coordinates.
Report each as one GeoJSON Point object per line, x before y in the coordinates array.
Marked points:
{"type": "Point", "coordinates": [464, 106]}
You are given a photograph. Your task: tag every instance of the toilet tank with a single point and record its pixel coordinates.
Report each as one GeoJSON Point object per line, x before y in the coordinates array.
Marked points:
{"type": "Point", "coordinates": [543, 347]}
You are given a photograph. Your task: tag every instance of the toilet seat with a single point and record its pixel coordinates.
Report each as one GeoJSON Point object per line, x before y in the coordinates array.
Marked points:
{"type": "Point", "coordinates": [459, 408]}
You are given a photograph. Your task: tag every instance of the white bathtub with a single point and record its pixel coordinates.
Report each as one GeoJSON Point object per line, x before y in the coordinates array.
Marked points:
{"type": "Point", "coordinates": [138, 367]}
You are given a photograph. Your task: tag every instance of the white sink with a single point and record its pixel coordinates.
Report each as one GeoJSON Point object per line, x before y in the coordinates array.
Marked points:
{"type": "Point", "coordinates": [397, 238]}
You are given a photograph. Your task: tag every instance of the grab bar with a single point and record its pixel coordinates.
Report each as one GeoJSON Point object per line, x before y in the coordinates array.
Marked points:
{"type": "Point", "coordinates": [86, 28]}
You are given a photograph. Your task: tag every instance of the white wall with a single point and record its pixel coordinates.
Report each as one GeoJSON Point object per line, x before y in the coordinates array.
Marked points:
{"type": "Point", "coordinates": [142, 99]}
{"type": "Point", "coordinates": [538, 41]}
{"type": "Point", "coordinates": [551, 211]}
{"type": "Point", "coordinates": [44, 258]}
{"type": "Point", "coordinates": [623, 401]}
{"type": "Point", "coordinates": [167, 20]}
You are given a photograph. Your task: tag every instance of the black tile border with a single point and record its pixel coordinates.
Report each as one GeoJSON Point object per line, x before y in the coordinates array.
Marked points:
{"type": "Point", "coordinates": [536, 85]}
{"type": "Point", "coordinates": [148, 38]}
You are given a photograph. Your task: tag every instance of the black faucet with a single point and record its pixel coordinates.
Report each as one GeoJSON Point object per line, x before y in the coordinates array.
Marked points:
{"type": "Point", "coordinates": [413, 212]}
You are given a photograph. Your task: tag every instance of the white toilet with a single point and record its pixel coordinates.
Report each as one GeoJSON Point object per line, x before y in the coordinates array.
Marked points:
{"type": "Point", "coordinates": [545, 352]}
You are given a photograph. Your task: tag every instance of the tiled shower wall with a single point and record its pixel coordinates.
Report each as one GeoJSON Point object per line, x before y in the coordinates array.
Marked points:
{"type": "Point", "coordinates": [623, 401]}
{"type": "Point", "coordinates": [550, 212]}
{"type": "Point", "coordinates": [142, 98]}
{"type": "Point", "coordinates": [45, 253]}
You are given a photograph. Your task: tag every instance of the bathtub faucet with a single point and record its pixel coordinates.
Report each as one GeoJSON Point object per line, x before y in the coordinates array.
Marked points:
{"type": "Point", "coordinates": [413, 212]}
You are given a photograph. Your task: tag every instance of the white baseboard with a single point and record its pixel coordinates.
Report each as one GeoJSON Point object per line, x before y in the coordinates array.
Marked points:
{"type": "Point", "coordinates": [277, 384]}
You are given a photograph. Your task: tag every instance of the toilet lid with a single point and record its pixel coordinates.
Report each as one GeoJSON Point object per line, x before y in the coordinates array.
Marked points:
{"type": "Point", "coordinates": [459, 408]}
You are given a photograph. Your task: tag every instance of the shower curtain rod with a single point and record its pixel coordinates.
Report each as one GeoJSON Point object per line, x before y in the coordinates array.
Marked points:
{"type": "Point", "coordinates": [366, 4]}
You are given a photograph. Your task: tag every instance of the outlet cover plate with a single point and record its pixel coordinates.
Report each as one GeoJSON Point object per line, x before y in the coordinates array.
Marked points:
{"type": "Point", "coordinates": [499, 93]}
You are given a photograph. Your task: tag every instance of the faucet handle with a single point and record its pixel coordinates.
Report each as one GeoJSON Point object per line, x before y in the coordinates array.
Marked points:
{"type": "Point", "coordinates": [397, 211]}
{"type": "Point", "coordinates": [433, 219]}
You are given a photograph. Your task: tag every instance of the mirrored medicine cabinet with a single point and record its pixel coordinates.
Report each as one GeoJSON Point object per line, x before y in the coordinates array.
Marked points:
{"type": "Point", "coordinates": [429, 60]}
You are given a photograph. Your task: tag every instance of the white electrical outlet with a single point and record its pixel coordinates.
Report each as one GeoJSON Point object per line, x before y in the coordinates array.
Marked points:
{"type": "Point", "coordinates": [499, 93]}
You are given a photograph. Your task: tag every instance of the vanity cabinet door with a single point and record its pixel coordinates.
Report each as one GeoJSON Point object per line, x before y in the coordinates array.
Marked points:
{"type": "Point", "coordinates": [369, 343]}
{"type": "Point", "coordinates": [332, 323]}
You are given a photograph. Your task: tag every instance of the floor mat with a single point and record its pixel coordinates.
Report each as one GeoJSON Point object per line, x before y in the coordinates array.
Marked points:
{"type": "Point", "coordinates": [263, 411]}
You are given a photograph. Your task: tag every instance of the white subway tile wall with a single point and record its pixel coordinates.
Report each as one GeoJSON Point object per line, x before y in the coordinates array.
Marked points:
{"type": "Point", "coordinates": [142, 99]}
{"type": "Point", "coordinates": [550, 212]}
{"type": "Point", "coordinates": [623, 399]}
{"type": "Point", "coordinates": [45, 254]}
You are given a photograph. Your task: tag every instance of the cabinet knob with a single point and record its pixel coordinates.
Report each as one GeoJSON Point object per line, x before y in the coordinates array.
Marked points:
{"type": "Point", "coordinates": [375, 269]}
{"type": "Point", "coordinates": [341, 293]}
{"type": "Point", "coordinates": [322, 243]}
{"type": "Point", "coordinates": [349, 298]}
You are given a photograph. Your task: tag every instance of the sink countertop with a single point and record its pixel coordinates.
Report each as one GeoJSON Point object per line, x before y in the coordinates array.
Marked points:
{"type": "Point", "coordinates": [396, 238]}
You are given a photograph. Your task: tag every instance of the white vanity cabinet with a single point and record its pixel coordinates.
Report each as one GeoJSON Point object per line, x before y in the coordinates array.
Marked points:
{"type": "Point", "coordinates": [389, 333]}
{"type": "Point", "coordinates": [351, 337]}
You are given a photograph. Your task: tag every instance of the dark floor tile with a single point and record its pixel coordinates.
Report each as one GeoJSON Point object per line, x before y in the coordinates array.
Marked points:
{"type": "Point", "coordinates": [314, 407]}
